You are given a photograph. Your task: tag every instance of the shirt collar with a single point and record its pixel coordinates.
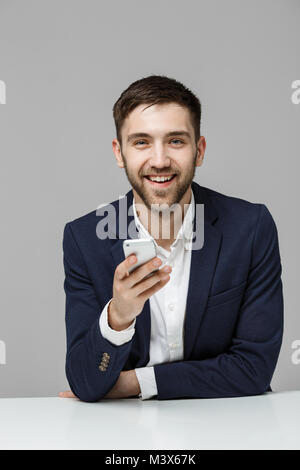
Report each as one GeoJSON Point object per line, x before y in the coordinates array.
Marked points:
{"type": "Point", "coordinates": [185, 232]}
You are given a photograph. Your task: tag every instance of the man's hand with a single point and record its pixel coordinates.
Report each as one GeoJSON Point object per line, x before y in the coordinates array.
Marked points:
{"type": "Point", "coordinates": [67, 394]}
{"type": "Point", "coordinates": [126, 386]}
{"type": "Point", "coordinates": [131, 290]}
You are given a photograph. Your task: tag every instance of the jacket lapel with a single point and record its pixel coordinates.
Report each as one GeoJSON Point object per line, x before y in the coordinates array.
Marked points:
{"type": "Point", "coordinates": [203, 264]}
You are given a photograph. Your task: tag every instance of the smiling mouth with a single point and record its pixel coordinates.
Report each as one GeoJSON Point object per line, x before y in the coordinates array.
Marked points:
{"type": "Point", "coordinates": [166, 178]}
{"type": "Point", "coordinates": [160, 184]}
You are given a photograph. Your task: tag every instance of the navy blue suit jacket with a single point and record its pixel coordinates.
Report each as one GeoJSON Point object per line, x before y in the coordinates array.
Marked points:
{"type": "Point", "coordinates": [234, 312]}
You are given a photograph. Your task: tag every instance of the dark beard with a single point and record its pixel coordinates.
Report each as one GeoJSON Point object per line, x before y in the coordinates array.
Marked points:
{"type": "Point", "coordinates": [180, 190]}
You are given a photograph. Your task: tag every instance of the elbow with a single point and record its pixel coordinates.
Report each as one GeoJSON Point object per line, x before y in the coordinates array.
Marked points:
{"type": "Point", "coordinates": [259, 383]}
{"type": "Point", "coordinates": [254, 377]}
{"type": "Point", "coordinates": [260, 389]}
{"type": "Point", "coordinates": [82, 389]}
{"type": "Point", "coordinates": [88, 398]}
{"type": "Point", "coordinates": [252, 387]}
{"type": "Point", "coordinates": [263, 385]}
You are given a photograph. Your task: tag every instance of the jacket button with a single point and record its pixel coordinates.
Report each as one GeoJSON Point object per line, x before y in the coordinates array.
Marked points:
{"type": "Point", "coordinates": [102, 368]}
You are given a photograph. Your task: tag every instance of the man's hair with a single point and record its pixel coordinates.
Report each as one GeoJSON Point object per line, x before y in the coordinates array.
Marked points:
{"type": "Point", "coordinates": [156, 89]}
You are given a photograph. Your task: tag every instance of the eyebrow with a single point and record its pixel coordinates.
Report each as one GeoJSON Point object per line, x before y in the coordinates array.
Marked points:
{"type": "Point", "coordinates": [137, 135]}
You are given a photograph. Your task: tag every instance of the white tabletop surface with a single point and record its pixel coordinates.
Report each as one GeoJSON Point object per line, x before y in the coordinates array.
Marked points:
{"type": "Point", "coordinates": [269, 421]}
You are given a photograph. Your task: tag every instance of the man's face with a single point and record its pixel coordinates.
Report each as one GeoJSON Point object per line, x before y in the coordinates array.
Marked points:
{"type": "Point", "coordinates": [159, 141]}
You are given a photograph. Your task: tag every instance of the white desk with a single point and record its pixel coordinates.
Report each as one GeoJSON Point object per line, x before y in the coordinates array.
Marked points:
{"type": "Point", "coordinates": [269, 421]}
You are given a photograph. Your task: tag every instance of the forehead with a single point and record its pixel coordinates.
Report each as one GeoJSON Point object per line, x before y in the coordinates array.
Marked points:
{"type": "Point", "coordinates": [157, 119]}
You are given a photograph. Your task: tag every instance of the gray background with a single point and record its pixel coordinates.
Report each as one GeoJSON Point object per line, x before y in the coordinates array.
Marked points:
{"type": "Point", "coordinates": [65, 63]}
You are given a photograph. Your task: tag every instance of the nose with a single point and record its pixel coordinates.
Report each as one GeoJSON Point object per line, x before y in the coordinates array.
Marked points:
{"type": "Point", "coordinates": [160, 158]}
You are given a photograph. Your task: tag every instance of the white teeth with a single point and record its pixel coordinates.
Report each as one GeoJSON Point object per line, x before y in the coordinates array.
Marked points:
{"type": "Point", "coordinates": [160, 178]}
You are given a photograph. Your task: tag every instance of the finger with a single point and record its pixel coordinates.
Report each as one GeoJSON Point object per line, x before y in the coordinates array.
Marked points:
{"type": "Point", "coordinates": [142, 271]}
{"type": "Point", "coordinates": [147, 293]}
{"type": "Point", "coordinates": [146, 284]}
{"type": "Point", "coordinates": [122, 270]}
{"type": "Point", "coordinates": [145, 269]}
{"type": "Point", "coordinates": [149, 273]}
{"type": "Point", "coordinates": [67, 394]}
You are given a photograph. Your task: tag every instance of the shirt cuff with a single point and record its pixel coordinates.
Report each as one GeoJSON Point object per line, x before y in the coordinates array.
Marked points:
{"type": "Point", "coordinates": [115, 337]}
{"type": "Point", "coordinates": [147, 381]}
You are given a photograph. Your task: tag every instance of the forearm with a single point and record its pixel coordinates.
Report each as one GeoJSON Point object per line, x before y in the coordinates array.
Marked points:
{"type": "Point", "coordinates": [238, 373]}
{"type": "Point", "coordinates": [113, 319]}
{"type": "Point", "coordinates": [88, 380]}
{"type": "Point", "coordinates": [126, 386]}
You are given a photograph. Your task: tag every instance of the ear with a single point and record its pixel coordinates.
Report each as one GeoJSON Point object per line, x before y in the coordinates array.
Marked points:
{"type": "Point", "coordinates": [201, 146]}
{"type": "Point", "coordinates": [118, 154]}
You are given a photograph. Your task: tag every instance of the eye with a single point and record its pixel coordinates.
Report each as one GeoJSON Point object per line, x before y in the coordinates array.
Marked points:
{"type": "Point", "coordinates": [142, 142]}
{"type": "Point", "coordinates": [178, 141]}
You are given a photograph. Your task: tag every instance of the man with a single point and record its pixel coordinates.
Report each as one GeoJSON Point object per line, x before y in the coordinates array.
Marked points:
{"type": "Point", "coordinates": [209, 322]}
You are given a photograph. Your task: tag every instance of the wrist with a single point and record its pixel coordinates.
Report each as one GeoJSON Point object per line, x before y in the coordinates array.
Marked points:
{"type": "Point", "coordinates": [131, 383]}
{"type": "Point", "coordinates": [136, 385]}
{"type": "Point", "coordinates": [114, 320]}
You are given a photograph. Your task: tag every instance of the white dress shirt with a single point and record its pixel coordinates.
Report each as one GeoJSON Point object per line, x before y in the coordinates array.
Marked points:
{"type": "Point", "coordinates": [167, 306]}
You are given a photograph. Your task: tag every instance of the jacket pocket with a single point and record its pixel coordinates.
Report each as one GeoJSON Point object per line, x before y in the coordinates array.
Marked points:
{"type": "Point", "coordinates": [226, 296]}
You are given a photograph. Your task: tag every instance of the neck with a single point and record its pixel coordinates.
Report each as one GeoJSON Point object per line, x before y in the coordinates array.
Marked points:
{"type": "Point", "coordinates": [163, 226]}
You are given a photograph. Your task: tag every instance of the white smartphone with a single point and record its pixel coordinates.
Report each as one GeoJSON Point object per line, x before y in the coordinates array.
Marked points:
{"type": "Point", "coordinates": [143, 248]}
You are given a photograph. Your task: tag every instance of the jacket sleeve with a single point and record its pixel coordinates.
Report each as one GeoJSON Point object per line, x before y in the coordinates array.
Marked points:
{"type": "Point", "coordinates": [93, 364]}
{"type": "Point", "coordinates": [248, 365]}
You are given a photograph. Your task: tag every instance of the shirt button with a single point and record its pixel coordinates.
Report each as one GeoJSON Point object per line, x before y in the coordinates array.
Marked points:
{"type": "Point", "coordinates": [171, 306]}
